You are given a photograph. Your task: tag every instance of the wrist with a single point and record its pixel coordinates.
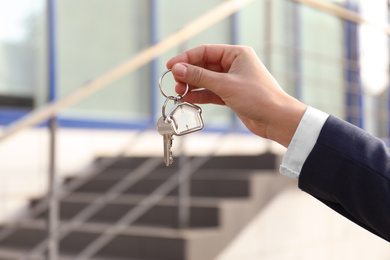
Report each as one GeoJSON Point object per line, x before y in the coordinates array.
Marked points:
{"type": "Point", "coordinates": [284, 120]}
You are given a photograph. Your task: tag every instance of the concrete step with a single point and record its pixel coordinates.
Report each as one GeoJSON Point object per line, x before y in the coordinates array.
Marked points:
{"type": "Point", "coordinates": [124, 162]}
{"type": "Point", "coordinates": [165, 173]}
{"type": "Point", "coordinates": [23, 239]}
{"type": "Point", "coordinates": [143, 243]}
{"type": "Point", "coordinates": [144, 247]}
{"type": "Point", "coordinates": [229, 188]}
{"type": "Point", "coordinates": [266, 161]}
{"type": "Point", "coordinates": [204, 183]}
{"type": "Point", "coordinates": [159, 215]}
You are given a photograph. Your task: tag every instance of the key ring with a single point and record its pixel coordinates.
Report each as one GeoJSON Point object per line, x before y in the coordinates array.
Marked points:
{"type": "Point", "coordinates": [179, 97]}
{"type": "Point", "coordinates": [165, 105]}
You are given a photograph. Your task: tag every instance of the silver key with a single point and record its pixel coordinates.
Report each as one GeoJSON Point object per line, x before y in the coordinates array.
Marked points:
{"type": "Point", "coordinates": [185, 118]}
{"type": "Point", "coordinates": [165, 129]}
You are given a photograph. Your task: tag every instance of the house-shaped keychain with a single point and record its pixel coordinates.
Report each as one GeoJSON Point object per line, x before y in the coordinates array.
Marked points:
{"type": "Point", "coordinates": [185, 118]}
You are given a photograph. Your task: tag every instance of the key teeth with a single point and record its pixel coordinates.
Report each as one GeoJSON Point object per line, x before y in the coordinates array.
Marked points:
{"type": "Point", "coordinates": [170, 152]}
{"type": "Point", "coordinates": [170, 157]}
{"type": "Point", "coordinates": [170, 162]}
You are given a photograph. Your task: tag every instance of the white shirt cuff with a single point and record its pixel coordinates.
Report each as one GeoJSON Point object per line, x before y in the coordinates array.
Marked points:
{"type": "Point", "coordinates": [303, 142]}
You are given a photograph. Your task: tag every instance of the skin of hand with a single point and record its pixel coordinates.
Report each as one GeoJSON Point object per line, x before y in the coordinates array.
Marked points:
{"type": "Point", "coordinates": [235, 77]}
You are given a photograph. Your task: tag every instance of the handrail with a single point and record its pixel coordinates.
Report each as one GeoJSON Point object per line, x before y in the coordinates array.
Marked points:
{"type": "Point", "coordinates": [215, 15]}
{"type": "Point", "coordinates": [181, 175]}
{"type": "Point", "coordinates": [345, 14]}
{"type": "Point", "coordinates": [143, 206]}
{"type": "Point", "coordinates": [98, 203]}
{"type": "Point", "coordinates": [90, 173]}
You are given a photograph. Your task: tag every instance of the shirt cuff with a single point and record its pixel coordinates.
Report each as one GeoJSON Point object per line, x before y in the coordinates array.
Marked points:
{"type": "Point", "coordinates": [303, 142]}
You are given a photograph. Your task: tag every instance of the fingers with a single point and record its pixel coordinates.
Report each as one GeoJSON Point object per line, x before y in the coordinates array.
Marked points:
{"type": "Point", "coordinates": [199, 96]}
{"type": "Point", "coordinates": [197, 76]}
{"type": "Point", "coordinates": [203, 96]}
{"type": "Point", "coordinates": [181, 88]}
{"type": "Point", "coordinates": [213, 57]}
{"type": "Point", "coordinates": [217, 68]}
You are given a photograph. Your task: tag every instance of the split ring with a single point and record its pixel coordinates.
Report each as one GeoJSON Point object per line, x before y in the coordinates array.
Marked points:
{"type": "Point", "coordinates": [162, 91]}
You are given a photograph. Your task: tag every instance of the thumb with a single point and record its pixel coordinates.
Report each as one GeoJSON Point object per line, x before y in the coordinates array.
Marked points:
{"type": "Point", "coordinates": [197, 76]}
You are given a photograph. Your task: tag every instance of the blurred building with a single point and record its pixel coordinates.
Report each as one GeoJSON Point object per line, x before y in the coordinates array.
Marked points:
{"type": "Point", "coordinates": [319, 56]}
{"type": "Point", "coordinates": [316, 56]}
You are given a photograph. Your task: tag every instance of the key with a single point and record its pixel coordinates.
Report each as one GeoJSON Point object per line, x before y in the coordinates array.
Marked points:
{"type": "Point", "coordinates": [185, 118]}
{"type": "Point", "coordinates": [165, 129]}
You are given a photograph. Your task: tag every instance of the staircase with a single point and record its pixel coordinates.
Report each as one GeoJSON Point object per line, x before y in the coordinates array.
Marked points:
{"type": "Point", "coordinates": [226, 193]}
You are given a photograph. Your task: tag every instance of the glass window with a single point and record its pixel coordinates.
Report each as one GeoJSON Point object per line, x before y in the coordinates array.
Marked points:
{"type": "Point", "coordinates": [303, 47]}
{"type": "Point", "coordinates": [252, 26]}
{"type": "Point", "coordinates": [21, 52]}
{"type": "Point", "coordinates": [323, 61]}
{"type": "Point", "coordinates": [93, 37]}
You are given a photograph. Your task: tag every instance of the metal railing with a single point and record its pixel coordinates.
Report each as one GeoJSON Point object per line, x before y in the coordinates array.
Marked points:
{"type": "Point", "coordinates": [49, 111]}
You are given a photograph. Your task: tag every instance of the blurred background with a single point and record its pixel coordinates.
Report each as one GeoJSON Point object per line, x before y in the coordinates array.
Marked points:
{"type": "Point", "coordinates": [84, 179]}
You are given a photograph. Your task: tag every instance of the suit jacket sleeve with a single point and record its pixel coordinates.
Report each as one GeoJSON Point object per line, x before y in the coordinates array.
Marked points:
{"type": "Point", "coordinates": [349, 170]}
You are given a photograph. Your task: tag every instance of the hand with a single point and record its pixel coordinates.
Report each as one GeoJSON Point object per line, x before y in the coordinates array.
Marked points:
{"type": "Point", "coordinates": [235, 77]}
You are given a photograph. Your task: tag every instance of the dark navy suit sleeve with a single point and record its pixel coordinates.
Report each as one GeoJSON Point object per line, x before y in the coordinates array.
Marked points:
{"type": "Point", "coordinates": [349, 170]}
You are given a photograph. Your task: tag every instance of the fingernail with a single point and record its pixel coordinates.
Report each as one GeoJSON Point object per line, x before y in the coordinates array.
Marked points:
{"type": "Point", "coordinates": [180, 70]}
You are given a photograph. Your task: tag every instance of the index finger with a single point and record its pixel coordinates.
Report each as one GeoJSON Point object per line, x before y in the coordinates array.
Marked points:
{"type": "Point", "coordinates": [207, 56]}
